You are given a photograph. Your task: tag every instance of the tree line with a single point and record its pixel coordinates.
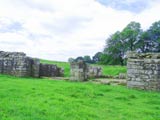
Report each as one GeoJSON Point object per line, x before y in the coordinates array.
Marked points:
{"type": "Point", "coordinates": [131, 38]}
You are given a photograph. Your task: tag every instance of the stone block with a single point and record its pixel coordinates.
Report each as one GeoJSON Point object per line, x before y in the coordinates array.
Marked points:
{"type": "Point", "coordinates": [79, 71]}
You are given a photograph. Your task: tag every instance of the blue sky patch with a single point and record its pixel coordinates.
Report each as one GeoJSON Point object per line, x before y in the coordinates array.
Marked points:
{"type": "Point", "coordinates": [128, 5]}
{"type": "Point", "coordinates": [10, 27]}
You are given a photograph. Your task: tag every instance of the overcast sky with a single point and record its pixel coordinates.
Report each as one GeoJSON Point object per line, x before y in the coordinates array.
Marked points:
{"type": "Point", "coordinates": [59, 29]}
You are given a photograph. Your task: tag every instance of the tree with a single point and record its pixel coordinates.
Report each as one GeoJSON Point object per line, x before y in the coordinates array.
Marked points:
{"type": "Point", "coordinates": [79, 59]}
{"type": "Point", "coordinates": [120, 42]}
{"type": "Point", "coordinates": [154, 33]}
{"type": "Point", "coordinates": [145, 43]}
{"type": "Point", "coordinates": [96, 58]}
{"type": "Point", "coordinates": [115, 47]}
{"type": "Point", "coordinates": [131, 34]}
{"type": "Point", "coordinates": [87, 59]}
{"type": "Point", "coordinates": [131, 38]}
{"type": "Point", "coordinates": [106, 59]}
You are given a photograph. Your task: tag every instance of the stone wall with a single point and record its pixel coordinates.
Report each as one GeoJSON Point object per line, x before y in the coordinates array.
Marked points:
{"type": "Point", "coordinates": [80, 71]}
{"type": "Point", "coordinates": [143, 71]}
{"type": "Point", "coordinates": [50, 70]}
{"type": "Point", "coordinates": [18, 64]}
{"type": "Point", "coordinates": [94, 71]}
{"type": "Point", "coordinates": [35, 67]}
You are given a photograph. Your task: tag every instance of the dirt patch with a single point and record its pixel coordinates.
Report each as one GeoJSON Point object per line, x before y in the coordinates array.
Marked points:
{"type": "Point", "coordinates": [111, 81]}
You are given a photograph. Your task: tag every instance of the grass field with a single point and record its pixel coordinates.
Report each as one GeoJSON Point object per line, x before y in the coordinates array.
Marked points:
{"type": "Point", "coordinates": [107, 70]}
{"type": "Point", "coordinates": [43, 99]}
{"type": "Point", "coordinates": [113, 70]}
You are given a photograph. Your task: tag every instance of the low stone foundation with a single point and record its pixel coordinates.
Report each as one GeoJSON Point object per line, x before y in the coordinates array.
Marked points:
{"type": "Point", "coordinates": [143, 71]}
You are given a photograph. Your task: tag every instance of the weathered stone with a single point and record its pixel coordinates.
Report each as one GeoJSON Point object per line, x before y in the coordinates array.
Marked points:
{"type": "Point", "coordinates": [122, 76]}
{"type": "Point", "coordinates": [143, 71]}
{"type": "Point", "coordinates": [50, 70]}
{"type": "Point", "coordinates": [35, 69]}
{"type": "Point", "coordinates": [94, 72]}
{"type": "Point", "coordinates": [18, 64]}
{"type": "Point", "coordinates": [78, 71]}
{"type": "Point", "coordinates": [132, 54]}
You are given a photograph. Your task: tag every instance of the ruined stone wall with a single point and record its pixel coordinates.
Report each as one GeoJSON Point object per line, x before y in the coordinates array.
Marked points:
{"type": "Point", "coordinates": [143, 71]}
{"type": "Point", "coordinates": [94, 71]}
{"type": "Point", "coordinates": [35, 67]}
{"type": "Point", "coordinates": [18, 64]}
{"type": "Point", "coordinates": [80, 71]}
{"type": "Point", "coordinates": [50, 70]}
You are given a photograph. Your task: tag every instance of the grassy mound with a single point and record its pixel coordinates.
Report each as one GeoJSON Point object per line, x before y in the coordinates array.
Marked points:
{"type": "Point", "coordinates": [43, 99]}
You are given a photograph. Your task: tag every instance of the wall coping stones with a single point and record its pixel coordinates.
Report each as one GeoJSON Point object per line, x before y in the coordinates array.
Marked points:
{"type": "Point", "coordinates": [135, 55]}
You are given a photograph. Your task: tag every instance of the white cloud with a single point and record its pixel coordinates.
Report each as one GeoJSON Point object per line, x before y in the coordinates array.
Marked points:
{"type": "Point", "coordinates": [148, 16]}
{"type": "Point", "coordinates": [59, 29]}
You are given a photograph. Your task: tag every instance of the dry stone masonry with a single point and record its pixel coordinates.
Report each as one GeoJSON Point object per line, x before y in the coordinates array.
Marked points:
{"type": "Point", "coordinates": [50, 70]}
{"type": "Point", "coordinates": [143, 71]}
{"type": "Point", "coordinates": [94, 71]}
{"type": "Point", "coordinates": [80, 71]}
{"type": "Point", "coordinates": [18, 64]}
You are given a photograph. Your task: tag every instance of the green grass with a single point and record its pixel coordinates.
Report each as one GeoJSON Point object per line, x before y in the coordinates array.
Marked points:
{"type": "Point", "coordinates": [107, 70]}
{"type": "Point", "coordinates": [113, 70]}
{"type": "Point", "coordinates": [43, 99]}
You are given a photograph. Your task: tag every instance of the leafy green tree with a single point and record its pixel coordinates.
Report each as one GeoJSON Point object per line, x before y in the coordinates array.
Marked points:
{"type": "Point", "coordinates": [145, 44]}
{"type": "Point", "coordinates": [80, 58]}
{"type": "Point", "coordinates": [154, 33]}
{"type": "Point", "coordinates": [96, 58]}
{"type": "Point", "coordinates": [87, 59]}
{"type": "Point", "coordinates": [106, 59]}
{"type": "Point", "coordinates": [131, 38]}
{"type": "Point", "coordinates": [115, 47]}
{"type": "Point", "coordinates": [131, 35]}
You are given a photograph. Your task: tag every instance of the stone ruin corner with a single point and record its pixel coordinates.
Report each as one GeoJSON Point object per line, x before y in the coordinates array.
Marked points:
{"type": "Point", "coordinates": [143, 71]}
{"type": "Point", "coordinates": [18, 64]}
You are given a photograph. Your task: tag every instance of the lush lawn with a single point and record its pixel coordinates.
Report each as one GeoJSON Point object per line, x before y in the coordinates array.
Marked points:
{"type": "Point", "coordinates": [113, 70]}
{"type": "Point", "coordinates": [107, 70]}
{"type": "Point", "coordinates": [43, 99]}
